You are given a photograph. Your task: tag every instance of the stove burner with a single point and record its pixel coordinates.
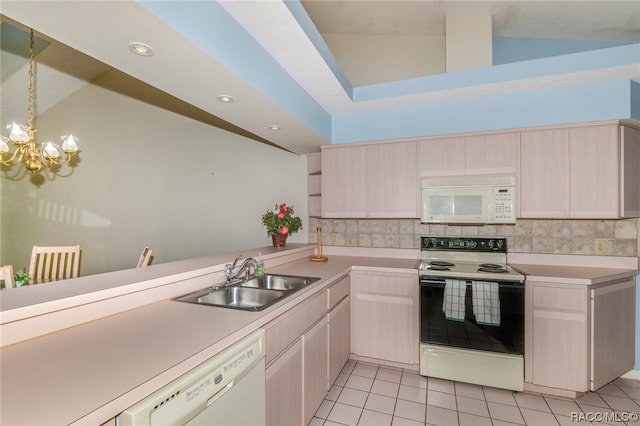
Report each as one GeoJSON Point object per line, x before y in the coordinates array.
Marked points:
{"type": "Point", "coordinates": [440, 263]}
{"type": "Point", "coordinates": [438, 268]}
{"type": "Point", "coordinates": [490, 267]}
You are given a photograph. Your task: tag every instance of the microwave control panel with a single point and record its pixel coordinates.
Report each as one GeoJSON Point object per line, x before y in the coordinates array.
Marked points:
{"type": "Point", "coordinates": [504, 200]}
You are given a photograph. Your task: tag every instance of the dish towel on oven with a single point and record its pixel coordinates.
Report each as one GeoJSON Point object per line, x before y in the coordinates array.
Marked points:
{"type": "Point", "coordinates": [453, 303]}
{"type": "Point", "coordinates": [486, 302]}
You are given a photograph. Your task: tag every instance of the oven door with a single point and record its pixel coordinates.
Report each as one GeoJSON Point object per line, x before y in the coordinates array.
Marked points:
{"type": "Point", "coordinates": [472, 314]}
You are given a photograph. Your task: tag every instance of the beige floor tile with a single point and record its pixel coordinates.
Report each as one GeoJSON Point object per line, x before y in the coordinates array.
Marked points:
{"type": "Point", "coordinates": [630, 391]}
{"type": "Point", "coordinates": [342, 379]}
{"type": "Point", "coordinates": [345, 414]}
{"type": "Point", "coordinates": [507, 413]}
{"type": "Point", "coordinates": [472, 420]}
{"type": "Point", "coordinates": [348, 367]}
{"type": "Point", "coordinates": [411, 393]}
{"type": "Point", "coordinates": [571, 421]}
{"type": "Point", "coordinates": [414, 379]}
{"type": "Point", "coordinates": [469, 390]}
{"type": "Point", "coordinates": [366, 370]}
{"type": "Point", "coordinates": [441, 385]}
{"type": "Point", "coordinates": [373, 418]}
{"type": "Point", "coordinates": [401, 421]}
{"type": "Point", "coordinates": [385, 388]}
{"type": "Point", "coordinates": [538, 418]}
{"type": "Point", "coordinates": [533, 402]}
{"type": "Point", "coordinates": [316, 422]}
{"type": "Point", "coordinates": [441, 416]}
{"type": "Point", "coordinates": [441, 399]}
{"type": "Point", "coordinates": [473, 406]}
{"type": "Point", "coordinates": [410, 410]}
{"type": "Point", "coordinates": [624, 381]}
{"type": "Point", "coordinates": [324, 409]}
{"type": "Point", "coordinates": [610, 389]}
{"type": "Point", "coordinates": [591, 398]}
{"type": "Point", "coordinates": [501, 396]}
{"type": "Point", "coordinates": [353, 397]}
{"type": "Point", "coordinates": [621, 403]}
{"type": "Point", "coordinates": [381, 403]}
{"type": "Point", "coordinates": [389, 374]}
{"type": "Point", "coordinates": [334, 393]}
{"type": "Point", "coordinates": [359, 382]}
{"type": "Point", "coordinates": [562, 407]}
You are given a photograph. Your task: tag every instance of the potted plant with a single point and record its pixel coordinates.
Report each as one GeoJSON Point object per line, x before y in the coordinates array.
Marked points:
{"type": "Point", "coordinates": [281, 223]}
{"type": "Point", "coordinates": [21, 277]}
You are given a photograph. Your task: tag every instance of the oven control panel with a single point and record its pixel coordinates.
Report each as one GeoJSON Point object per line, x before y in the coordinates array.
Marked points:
{"type": "Point", "coordinates": [461, 244]}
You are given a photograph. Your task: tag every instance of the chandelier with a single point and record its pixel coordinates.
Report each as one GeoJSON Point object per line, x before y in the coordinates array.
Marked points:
{"type": "Point", "coordinates": [34, 157]}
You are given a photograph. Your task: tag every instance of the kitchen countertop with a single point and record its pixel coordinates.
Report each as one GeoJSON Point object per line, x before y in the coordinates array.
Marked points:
{"type": "Point", "coordinates": [88, 373]}
{"type": "Point", "coordinates": [568, 269]}
{"type": "Point", "coordinates": [91, 372]}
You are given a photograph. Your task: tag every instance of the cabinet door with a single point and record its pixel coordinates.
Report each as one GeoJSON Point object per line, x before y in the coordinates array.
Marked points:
{"type": "Point", "coordinates": [612, 331]}
{"type": "Point", "coordinates": [442, 157]}
{"type": "Point", "coordinates": [392, 180]}
{"type": "Point", "coordinates": [559, 342]}
{"type": "Point", "coordinates": [344, 178]}
{"type": "Point", "coordinates": [492, 154]}
{"type": "Point", "coordinates": [384, 316]}
{"type": "Point", "coordinates": [315, 350]}
{"type": "Point", "coordinates": [630, 178]}
{"type": "Point", "coordinates": [339, 338]}
{"type": "Point", "coordinates": [285, 374]}
{"type": "Point", "coordinates": [594, 172]}
{"type": "Point", "coordinates": [543, 186]}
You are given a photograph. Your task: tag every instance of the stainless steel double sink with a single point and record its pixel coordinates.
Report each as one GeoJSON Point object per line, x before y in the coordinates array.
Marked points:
{"type": "Point", "coordinates": [254, 294]}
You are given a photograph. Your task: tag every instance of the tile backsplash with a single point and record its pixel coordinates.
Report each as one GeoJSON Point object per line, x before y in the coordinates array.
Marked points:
{"type": "Point", "coordinates": [548, 236]}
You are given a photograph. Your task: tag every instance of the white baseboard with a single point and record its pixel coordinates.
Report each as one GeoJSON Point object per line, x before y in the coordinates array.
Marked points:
{"type": "Point", "coordinates": [633, 374]}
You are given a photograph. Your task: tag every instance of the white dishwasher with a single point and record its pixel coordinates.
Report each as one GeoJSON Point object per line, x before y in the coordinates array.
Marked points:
{"type": "Point", "coordinates": [228, 390]}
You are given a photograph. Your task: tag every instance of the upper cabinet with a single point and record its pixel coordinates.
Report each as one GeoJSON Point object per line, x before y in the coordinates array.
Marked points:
{"type": "Point", "coordinates": [580, 172]}
{"type": "Point", "coordinates": [376, 180]}
{"type": "Point", "coordinates": [486, 154]}
{"type": "Point", "coordinates": [314, 184]}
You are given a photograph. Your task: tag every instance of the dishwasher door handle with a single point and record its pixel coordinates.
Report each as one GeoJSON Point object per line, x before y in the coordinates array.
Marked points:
{"type": "Point", "coordinates": [220, 393]}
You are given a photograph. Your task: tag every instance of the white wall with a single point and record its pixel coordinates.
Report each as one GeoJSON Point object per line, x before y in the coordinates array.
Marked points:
{"type": "Point", "coordinates": [147, 176]}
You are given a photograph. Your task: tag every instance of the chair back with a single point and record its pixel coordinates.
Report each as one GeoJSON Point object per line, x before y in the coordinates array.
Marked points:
{"type": "Point", "coordinates": [6, 274]}
{"type": "Point", "coordinates": [54, 263]}
{"type": "Point", "coordinates": [145, 258]}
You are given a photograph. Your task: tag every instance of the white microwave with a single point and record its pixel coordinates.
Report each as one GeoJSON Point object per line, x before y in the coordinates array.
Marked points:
{"type": "Point", "coordinates": [472, 200]}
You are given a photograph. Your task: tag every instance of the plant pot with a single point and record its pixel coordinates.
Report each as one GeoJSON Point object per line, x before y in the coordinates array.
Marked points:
{"type": "Point", "coordinates": [279, 240]}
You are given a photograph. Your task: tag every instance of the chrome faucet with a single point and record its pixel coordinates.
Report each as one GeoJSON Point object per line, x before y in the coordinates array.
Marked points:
{"type": "Point", "coordinates": [231, 276]}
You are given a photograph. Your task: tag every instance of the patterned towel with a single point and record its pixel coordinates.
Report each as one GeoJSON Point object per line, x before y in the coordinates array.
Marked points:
{"type": "Point", "coordinates": [453, 303]}
{"type": "Point", "coordinates": [486, 302]}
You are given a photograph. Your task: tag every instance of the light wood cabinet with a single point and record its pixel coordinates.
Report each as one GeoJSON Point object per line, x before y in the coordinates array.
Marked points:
{"type": "Point", "coordinates": [376, 180]}
{"type": "Point", "coordinates": [392, 180]}
{"type": "Point", "coordinates": [384, 316]}
{"type": "Point", "coordinates": [315, 364]}
{"type": "Point", "coordinates": [296, 356]}
{"type": "Point", "coordinates": [344, 182]}
{"type": "Point", "coordinates": [543, 184]}
{"type": "Point", "coordinates": [578, 337]}
{"type": "Point", "coordinates": [477, 155]}
{"type": "Point", "coordinates": [339, 321]}
{"type": "Point", "coordinates": [284, 387]}
{"type": "Point", "coordinates": [580, 172]}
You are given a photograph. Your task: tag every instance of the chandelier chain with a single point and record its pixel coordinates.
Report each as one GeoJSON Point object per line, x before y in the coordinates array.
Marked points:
{"type": "Point", "coordinates": [31, 80]}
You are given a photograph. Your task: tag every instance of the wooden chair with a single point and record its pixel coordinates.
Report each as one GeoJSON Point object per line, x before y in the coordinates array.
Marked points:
{"type": "Point", "coordinates": [6, 274]}
{"type": "Point", "coordinates": [145, 258]}
{"type": "Point", "coordinates": [54, 263]}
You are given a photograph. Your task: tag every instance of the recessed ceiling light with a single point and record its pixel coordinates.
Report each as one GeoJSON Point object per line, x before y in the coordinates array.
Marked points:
{"type": "Point", "coordinates": [274, 127]}
{"type": "Point", "coordinates": [226, 99]}
{"type": "Point", "coordinates": [141, 49]}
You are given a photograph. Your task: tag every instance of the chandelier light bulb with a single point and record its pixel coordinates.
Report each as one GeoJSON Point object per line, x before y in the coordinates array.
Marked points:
{"type": "Point", "coordinates": [50, 150]}
{"type": "Point", "coordinates": [4, 146]}
{"type": "Point", "coordinates": [69, 143]}
{"type": "Point", "coordinates": [18, 132]}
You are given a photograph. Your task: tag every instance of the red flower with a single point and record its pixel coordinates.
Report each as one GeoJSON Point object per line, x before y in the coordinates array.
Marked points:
{"type": "Point", "coordinates": [283, 230]}
{"type": "Point", "coordinates": [280, 215]}
{"type": "Point", "coordinates": [283, 208]}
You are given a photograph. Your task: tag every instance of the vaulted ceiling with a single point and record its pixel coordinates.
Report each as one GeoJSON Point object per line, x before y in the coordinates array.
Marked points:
{"type": "Point", "coordinates": [271, 57]}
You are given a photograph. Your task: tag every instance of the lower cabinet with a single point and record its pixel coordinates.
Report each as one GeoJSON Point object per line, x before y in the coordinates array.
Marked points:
{"type": "Point", "coordinates": [306, 350]}
{"type": "Point", "coordinates": [384, 316]}
{"type": "Point", "coordinates": [284, 387]}
{"type": "Point", "coordinates": [578, 337]}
